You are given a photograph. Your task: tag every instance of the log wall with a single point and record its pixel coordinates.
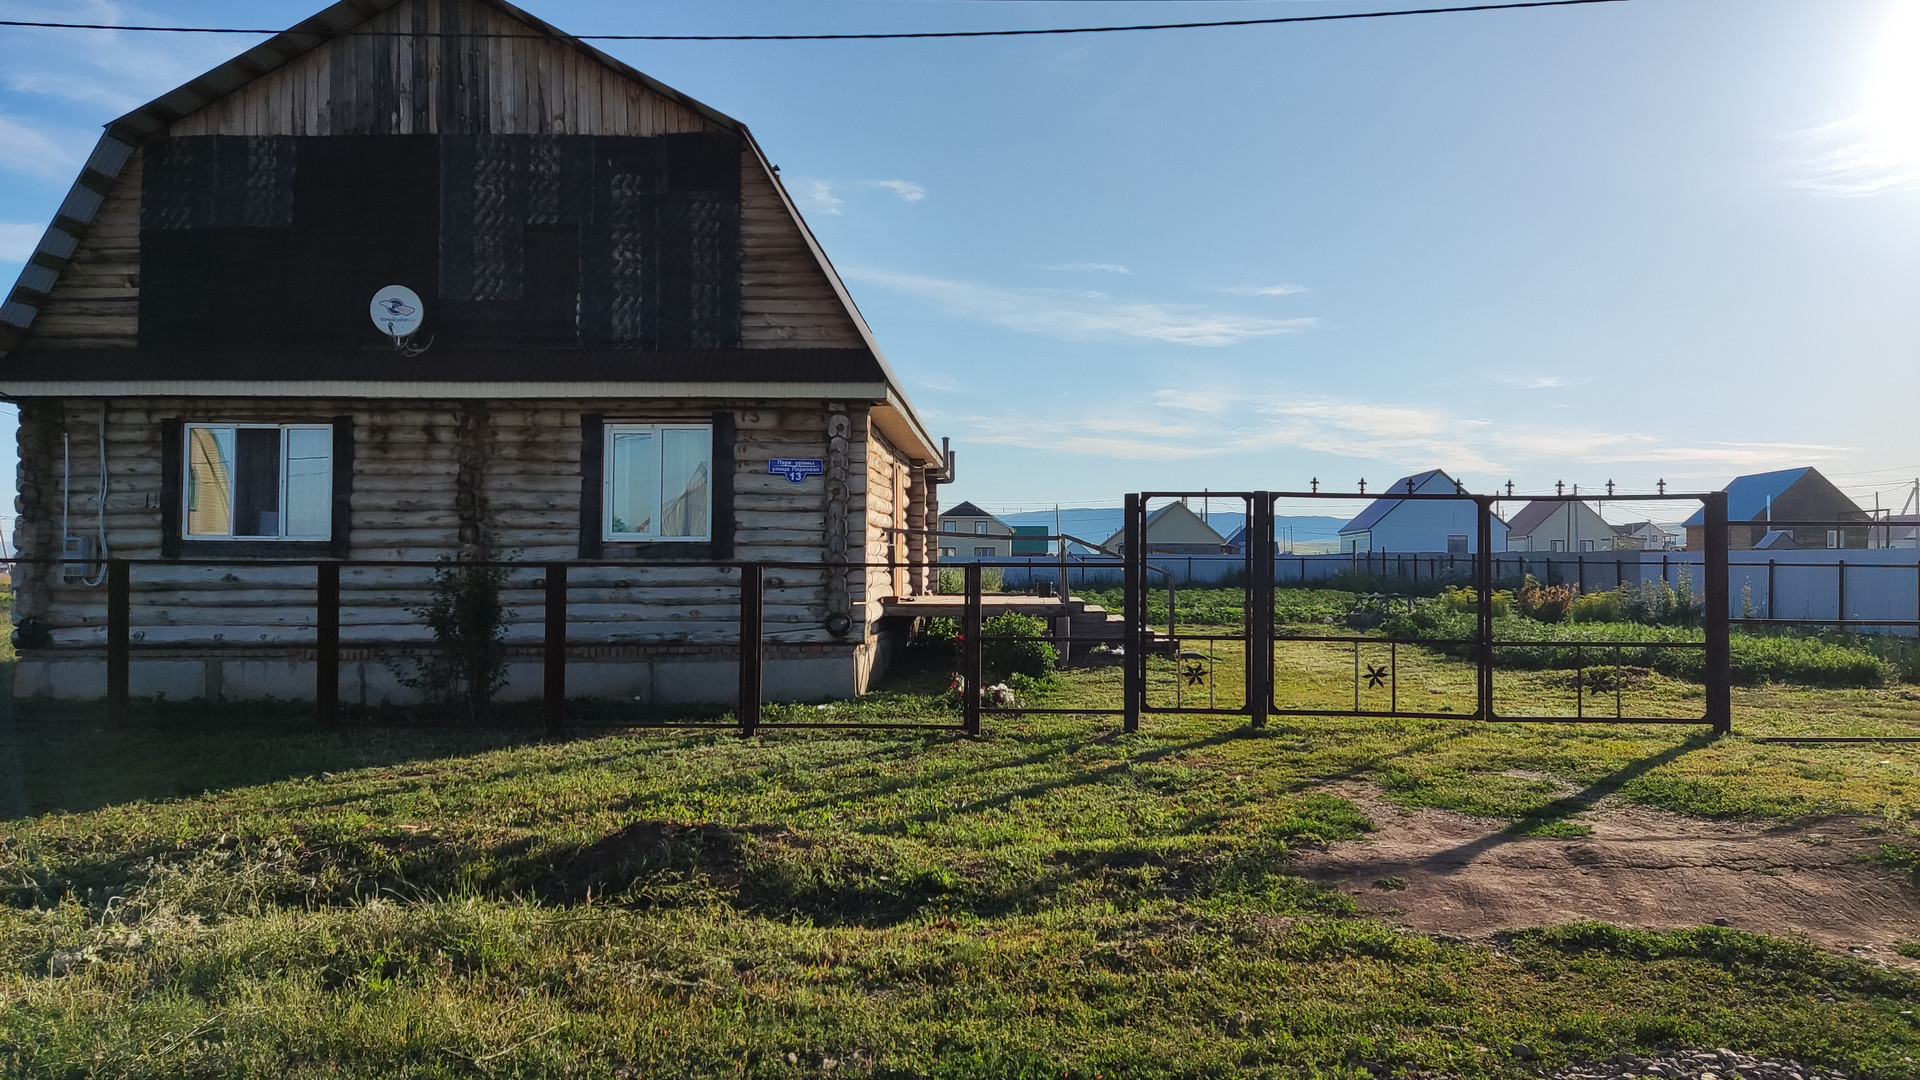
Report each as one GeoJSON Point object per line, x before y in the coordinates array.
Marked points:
{"type": "Point", "coordinates": [434, 479]}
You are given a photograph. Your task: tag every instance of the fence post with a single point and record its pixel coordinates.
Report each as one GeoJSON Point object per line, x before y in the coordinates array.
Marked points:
{"type": "Point", "coordinates": [119, 637]}
{"type": "Point", "coordinates": [1842, 609]}
{"type": "Point", "coordinates": [553, 702]}
{"type": "Point", "coordinates": [1260, 577]}
{"type": "Point", "coordinates": [752, 620]}
{"type": "Point", "coordinates": [1483, 604]}
{"type": "Point", "coordinates": [1719, 643]}
{"type": "Point", "coordinates": [326, 643]}
{"type": "Point", "coordinates": [1134, 612]}
{"type": "Point", "coordinates": [970, 653]}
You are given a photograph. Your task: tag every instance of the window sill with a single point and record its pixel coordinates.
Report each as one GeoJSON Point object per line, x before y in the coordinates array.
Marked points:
{"type": "Point", "coordinates": [304, 550]}
{"type": "Point", "coordinates": [691, 551]}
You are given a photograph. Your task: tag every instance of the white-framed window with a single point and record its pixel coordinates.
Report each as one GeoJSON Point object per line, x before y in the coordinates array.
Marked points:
{"type": "Point", "coordinates": [980, 528]}
{"type": "Point", "coordinates": [1556, 545]}
{"type": "Point", "coordinates": [1586, 545]}
{"type": "Point", "coordinates": [658, 483]}
{"type": "Point", "coordinates": [1833, 538]}
{"type": "Point", "coordinates": [948, 553]}
{"type": "Point", "coordinates": [950, 526]}
{"type": "Point", "coordinates": [985, 552]}
{"type": "Point", "coordinates": [1457, 544]}
{"type": "Point", "coordinates": [257, 482]}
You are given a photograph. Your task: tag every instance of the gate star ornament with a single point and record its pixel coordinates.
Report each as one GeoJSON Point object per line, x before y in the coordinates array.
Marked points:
{"type": "Point", "coordinates": [1376, 677]}
{"type": "Point", "coordinates": [1196, 675]}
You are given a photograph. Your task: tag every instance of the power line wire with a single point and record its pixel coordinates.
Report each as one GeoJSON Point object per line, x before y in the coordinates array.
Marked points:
{"type": "Point", "coordinates": [892, 36]}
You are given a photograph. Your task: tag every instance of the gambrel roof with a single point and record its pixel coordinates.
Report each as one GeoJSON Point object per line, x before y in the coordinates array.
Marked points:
{"type": "Point", "coordinates": [854, 368]}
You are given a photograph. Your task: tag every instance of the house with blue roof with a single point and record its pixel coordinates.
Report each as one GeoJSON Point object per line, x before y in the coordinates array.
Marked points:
{"type": "Point", "coordinates": [1755, 501]}
{"type": "Point", "coordinates": [1419, 525]}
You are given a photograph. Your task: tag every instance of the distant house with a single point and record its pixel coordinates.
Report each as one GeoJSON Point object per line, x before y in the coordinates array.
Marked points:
{"type": "Point", "coordinates": [1547, 525]}
{"type": "Point", "coordinates": [966, 530]}
{"type": "Point", "coordinates": [1174, 529]}
{"type": "Point", "coordinates": [1422, 525]}
{"type": "Point", "coordinates": [1757, 500]}
{"type": "Point", "coordinates": [1644, 535]}
{"type": "Point", "coordinates": [1904, 534]}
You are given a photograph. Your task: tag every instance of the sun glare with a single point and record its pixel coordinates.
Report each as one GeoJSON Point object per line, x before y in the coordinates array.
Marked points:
{"type": "Point", "coordinates": [1892, 108]}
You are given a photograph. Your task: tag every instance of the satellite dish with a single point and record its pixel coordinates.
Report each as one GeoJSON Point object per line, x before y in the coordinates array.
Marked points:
{"type": "Point", "coordinates": [397, 311]}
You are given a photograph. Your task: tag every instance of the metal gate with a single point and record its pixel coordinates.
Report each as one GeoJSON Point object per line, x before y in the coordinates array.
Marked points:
{"type": "Point", "coordinates": [1377, 660]}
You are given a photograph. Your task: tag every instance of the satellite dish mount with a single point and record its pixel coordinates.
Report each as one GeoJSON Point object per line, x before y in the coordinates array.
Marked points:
{"type": "Point", "coordinates": [397, 312]}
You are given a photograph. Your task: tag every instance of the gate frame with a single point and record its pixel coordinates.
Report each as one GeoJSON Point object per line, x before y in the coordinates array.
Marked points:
{"type": "Point", "coordinates": [1261, 636]}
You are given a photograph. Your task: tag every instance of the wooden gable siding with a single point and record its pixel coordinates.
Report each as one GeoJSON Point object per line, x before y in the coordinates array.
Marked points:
{"type": "Point", "coordinates": [370, 85]}
{"type": "Point", "coordinates": [96, 301]}
{"type": "Point", "coordinates": [785, 298]}
{"type": "Point", "coordinates": [424, 473]}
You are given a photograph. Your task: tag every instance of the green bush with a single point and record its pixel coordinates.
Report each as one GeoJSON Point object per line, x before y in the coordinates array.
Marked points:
{"type": "Point", "coordinates": [1598, 607]}
{"type": "Point", "coordinates": [1014, 644]}
{"type": "Point", "coordinates": [953, 580]}
{"type": "Point", "coordinates": [1466, 598]}
{"type": "Point", "coordinates": [938, 630]}
{"type": "Point", "coordinates": [1800, 659]}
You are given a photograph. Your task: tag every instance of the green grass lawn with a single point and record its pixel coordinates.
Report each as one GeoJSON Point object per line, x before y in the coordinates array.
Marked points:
{"type": "Point", "coordinates": [225, 891]}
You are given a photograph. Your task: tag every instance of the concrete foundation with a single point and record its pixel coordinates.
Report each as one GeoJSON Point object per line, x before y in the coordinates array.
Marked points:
{"type": "Point", "coordinates": [798, 674]}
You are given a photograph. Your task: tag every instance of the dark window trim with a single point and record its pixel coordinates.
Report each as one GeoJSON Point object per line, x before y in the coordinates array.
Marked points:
{"type": "Point", "coordinates": [593, 459]}
{"type": "Point", "coordinates": [718, 546]}
{"type": "Point", "coordinates": [175, 546]}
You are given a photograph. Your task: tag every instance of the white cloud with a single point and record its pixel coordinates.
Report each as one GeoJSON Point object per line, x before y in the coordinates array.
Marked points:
{"type": "Point", "coordinates": [1083, 316]}
{"type": "Point", "coordinates": [1848, 162]}
{"type": "Point", "coordinates": [1875, 151]}
{"type": "Point", "coordinates": [1540, 382]}
{"type": "Point", "coordinates": [1205, 401]}
{"type": "Point", "coordinates": [1395, 438]}
{"type": "Point", "coordinates": [17, 241]}
{"type": "Point", "coordinates": [104, 67]}
{"type": "Point", "coordinates": [906, 189]}
{"type": "Point", "coordinates": [1090, 267]}
{"type": "Point", "coordinates": [28, 150]}
{"type": "Point", "coordinates": [1264, 290]}
{"type": "Point", "coordinates": [819, 196]}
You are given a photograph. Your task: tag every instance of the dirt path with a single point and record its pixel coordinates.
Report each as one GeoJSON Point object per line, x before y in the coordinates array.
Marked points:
{"type": "Point", "coordinates": [1442, 872]}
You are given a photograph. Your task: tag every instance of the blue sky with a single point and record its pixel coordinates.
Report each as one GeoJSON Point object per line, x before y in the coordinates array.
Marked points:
{"type": "Point", "coordinates": [1669, 239]}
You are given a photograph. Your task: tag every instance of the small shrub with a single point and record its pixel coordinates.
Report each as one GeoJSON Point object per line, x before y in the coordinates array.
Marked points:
{"type": "Point", "coordinates": [1545, 603]}
{"type": "Point", "coordinates": [1465, 598]}
{"type": "Point", "coordinates": [1598, 607]}
{"type": "Point", "coordinates": [939, 630]}
{"type": "Point", "coordinates": [953, 580]}
{"type": "Point", "coordinates": [469, 624]}
{"type": "Point", "coordinates": [1013, 644]}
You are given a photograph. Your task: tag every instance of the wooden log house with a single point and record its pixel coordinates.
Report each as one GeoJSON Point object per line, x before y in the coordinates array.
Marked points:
{"type": "Point", "coordinates": [626, 322]}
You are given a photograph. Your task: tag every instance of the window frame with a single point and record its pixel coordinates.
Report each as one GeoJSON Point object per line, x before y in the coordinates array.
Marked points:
{"type": "Point", "coordinates": [608, 432]}
{"type": "Point", "coordinates": [1465, 546]}
{"type": "Point", "coordinates": [979, 528]}
{"type": "Point", "coordinates": [285, 428]}
{"type": "Point", "coordinates": [1836, 540]}
{"type": "Point", "coordinates": [983, 552]}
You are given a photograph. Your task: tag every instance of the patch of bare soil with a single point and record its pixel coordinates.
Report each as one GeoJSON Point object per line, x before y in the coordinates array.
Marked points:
{"type": "Point", "coordinates": [1440, 872]}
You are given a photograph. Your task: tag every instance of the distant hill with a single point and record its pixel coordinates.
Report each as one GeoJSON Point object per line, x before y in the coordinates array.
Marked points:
{"type": "Point", "coordinates": [1098, 523]}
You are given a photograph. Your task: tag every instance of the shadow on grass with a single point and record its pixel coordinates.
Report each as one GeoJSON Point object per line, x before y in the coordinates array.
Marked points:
{"type": "Point", "coordinates": [1549, 819]}
{"type": "Point", "coordinates": [58, 756]}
